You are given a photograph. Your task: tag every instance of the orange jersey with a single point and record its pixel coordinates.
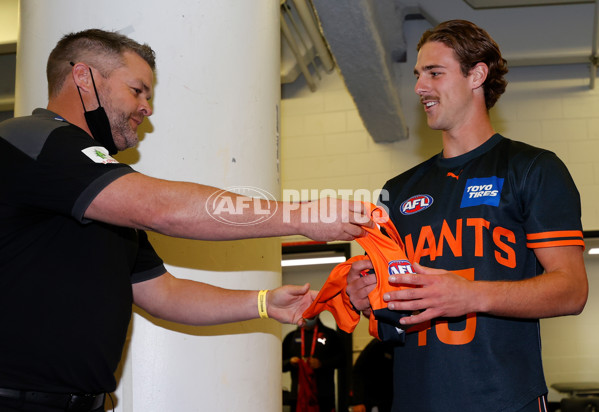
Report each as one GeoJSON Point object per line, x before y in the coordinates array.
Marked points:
{"type": "Point", "coordinates": [386, 251]}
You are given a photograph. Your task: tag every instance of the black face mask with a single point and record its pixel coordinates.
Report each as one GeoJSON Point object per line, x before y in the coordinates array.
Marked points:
{"type": "Point", "coordinates": [98, 122]}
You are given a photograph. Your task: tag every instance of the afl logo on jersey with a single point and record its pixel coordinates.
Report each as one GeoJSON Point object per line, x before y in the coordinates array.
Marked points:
{"type": "Point", "coordinates": [400, 267]}
{"type": "Point", "coordinates": [416, 204]}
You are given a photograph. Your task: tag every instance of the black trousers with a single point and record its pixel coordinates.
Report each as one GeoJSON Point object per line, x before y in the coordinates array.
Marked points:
{"type": "Point", "coordinates": [17, 405]}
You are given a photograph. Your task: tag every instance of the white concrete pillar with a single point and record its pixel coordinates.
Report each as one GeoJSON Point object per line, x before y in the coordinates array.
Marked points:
{"type": "Point", "coordinates": [215, 121]}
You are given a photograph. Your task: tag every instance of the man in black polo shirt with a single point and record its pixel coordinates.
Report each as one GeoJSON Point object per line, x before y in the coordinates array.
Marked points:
{"type": "Point", "coordinates": [74, 254]}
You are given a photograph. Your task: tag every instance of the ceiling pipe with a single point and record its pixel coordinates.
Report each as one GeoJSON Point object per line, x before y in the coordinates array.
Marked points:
{"type": "Point", "coordinates": [547, 60]}
{"type": "Point", "coordinates": [301, 37]}
{"type": "Point", "coordinates": [305, 13]}
{"type": "Point", "coordinates": [494, 4]}
{"type": "Point", "coordinates": [286, 31]}
{"type": "Point", "coordinates": [366, 39]}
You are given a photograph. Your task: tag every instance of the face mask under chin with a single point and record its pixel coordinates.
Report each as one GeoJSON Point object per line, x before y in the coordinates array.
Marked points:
{"type": "Point", "coordinates": [99, 126]}
{"type": "Point", "coordinates": [98, 122]}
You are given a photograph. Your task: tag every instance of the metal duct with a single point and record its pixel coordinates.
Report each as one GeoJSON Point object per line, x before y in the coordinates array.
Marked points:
{"type": "Point", "coordinates": [301, 44]}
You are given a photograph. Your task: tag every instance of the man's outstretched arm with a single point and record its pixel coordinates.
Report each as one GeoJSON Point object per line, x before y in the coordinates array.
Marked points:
{"type": "Point", "coordinates": [184, 210]}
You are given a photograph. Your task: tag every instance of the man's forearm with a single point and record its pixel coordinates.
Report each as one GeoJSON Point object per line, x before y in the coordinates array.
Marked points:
{"type": "Point", "coordinates": [195, 211]}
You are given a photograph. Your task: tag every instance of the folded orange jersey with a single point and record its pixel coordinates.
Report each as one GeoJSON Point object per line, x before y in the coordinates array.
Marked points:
{"type": "Point", "coordinates": [386, 251]}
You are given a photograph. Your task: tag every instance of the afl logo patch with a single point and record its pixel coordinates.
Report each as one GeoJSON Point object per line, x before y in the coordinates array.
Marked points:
{"type": "Point", "coordinates": [416, 204]}
{"type": "Point", "coordinates": [400, 267]}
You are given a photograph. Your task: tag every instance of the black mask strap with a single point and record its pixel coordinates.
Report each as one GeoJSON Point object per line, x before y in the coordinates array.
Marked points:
{"type": "Point", "coordinates": [95, 90]}
{"type": "Point", "coordinates": [98, 122]}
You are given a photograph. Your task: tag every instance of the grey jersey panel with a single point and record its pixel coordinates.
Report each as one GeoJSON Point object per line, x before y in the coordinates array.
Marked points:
{"type": "Point", "coordinates": [29, 134]}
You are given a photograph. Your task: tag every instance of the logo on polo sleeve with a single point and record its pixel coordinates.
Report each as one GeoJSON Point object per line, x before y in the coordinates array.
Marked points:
{"type": "Point", "coordinates": [98, 154]}
{"type": "Point", "coordinates": [482, 191]}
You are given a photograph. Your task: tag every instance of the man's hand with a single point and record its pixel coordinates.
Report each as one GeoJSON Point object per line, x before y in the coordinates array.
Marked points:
{"type": "Point", "coordinates": [358, 286]}
{"type": "Point", "coordinates": [287, 303]}
{"type": "Point", "coordinates": [434, 293]}
{"type": "Point", "coordinates": [332, 219]}
{"type": "Point", "coordinates": [561, 290]}
{"type": "Point", "coordinates": [314, 363]}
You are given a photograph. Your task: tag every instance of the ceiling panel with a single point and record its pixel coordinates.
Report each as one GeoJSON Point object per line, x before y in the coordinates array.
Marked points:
{"type": "Point", "coordinates": [489, 4]}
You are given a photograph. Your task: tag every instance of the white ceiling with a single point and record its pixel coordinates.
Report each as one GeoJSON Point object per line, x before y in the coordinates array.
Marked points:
{"type": "Point", "coordinates": [525, 32]}
{"type": "Point", "coordinates": [546, 33]}
{"type": "Point", "coordinates": [565, 29]}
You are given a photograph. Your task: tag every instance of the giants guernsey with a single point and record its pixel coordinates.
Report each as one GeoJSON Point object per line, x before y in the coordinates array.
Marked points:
{"type": "Point", "coordinates": [386, 250]}
{"type": "Point", "coordinates": [480, 215]}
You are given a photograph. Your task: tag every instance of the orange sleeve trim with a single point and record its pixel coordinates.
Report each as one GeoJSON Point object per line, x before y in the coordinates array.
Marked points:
{"type": "Point", "coordinates": [554, 234]}
{"type": "Point", "coordinates": [573, 242]}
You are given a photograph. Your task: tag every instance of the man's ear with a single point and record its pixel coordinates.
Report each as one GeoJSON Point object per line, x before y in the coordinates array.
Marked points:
{"type": "Point", "coordinates": [81, 76]}
{"type": "Point", "coordinates": [479, 74]}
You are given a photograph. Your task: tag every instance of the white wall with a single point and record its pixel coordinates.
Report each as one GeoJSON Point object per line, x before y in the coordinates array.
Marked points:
{"type": "Point", "coordinates": [324, 145]}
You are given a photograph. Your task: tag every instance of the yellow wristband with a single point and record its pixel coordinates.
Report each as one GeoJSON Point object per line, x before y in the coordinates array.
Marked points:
{"type": "Point", "coordinates": [262, 304]}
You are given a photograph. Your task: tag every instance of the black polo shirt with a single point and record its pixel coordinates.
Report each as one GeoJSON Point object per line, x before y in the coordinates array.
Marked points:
{"type": "Point", "coordinates": [65, 282]}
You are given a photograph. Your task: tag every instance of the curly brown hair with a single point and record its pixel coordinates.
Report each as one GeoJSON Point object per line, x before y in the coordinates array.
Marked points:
{"type": "Point", "coordinates": [102, 49]}
{"type": "Point", "coordinates": [472, 45]}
